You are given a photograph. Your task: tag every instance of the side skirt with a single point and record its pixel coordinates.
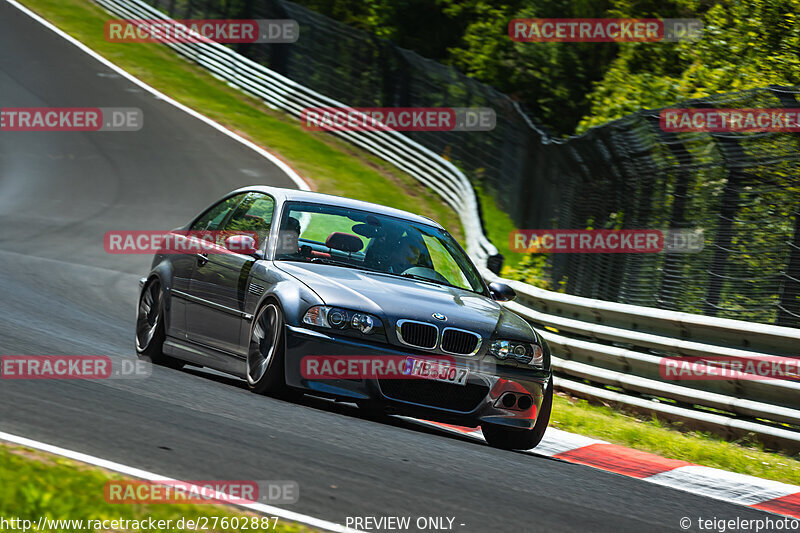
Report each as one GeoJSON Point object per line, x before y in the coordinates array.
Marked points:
{"type": "Point", "coordinates": [205, 356]}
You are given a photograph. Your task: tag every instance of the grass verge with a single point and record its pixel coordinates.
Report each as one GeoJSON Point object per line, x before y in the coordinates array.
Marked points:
{"type": "Point", "coordinates": [336, 167]}
{"type": "Point", "coordinates": [654, 436]}
{"type": "Point", "coordinates": [34, 484]}
{"type": "Point", "coordinates": [498, 225]}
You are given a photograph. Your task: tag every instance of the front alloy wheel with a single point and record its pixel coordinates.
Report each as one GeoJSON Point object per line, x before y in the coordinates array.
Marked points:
{"type": "Point", "coordinates": [265, 363]}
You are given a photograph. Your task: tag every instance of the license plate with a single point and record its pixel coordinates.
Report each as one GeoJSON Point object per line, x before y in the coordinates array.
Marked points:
{"type": "Point", "coordinates": [436, 370]}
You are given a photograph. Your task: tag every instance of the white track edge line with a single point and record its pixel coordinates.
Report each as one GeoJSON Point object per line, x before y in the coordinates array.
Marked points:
{"type": "Point", "coordinates": [289, 171]}
{"type": "Point", "coordinates": [149, 476]}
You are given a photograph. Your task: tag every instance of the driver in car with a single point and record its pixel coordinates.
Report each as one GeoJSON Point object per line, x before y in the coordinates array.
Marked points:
{"type": "Point", "coordinates": [289, 238]}
{"type": "Point", "coordinates": [403, 256]}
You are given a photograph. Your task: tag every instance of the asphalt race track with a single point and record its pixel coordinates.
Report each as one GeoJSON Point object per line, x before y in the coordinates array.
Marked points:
{"type": "Point", "coordinates": [61, 293]}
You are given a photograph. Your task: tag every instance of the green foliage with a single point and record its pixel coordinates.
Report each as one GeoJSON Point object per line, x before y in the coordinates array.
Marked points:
{"type": "Point", "coordinates": [532, 269]}
{"type": "Point", "coordinates": [550, 78]}
{"type": "Point", "coordinates": [745, 45]}
{"type": "Point", "coordinates": [419, 25]}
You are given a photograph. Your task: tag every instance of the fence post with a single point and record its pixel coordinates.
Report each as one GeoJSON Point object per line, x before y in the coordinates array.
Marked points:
{"type": "Point", "coordinates": [789, 303]}
{"type": "Point", "coordinates": [671, 268]}
{"type": "Point", "coordinates": [789, 306]}
{"type": "Point", "coordinates": [733, 155]}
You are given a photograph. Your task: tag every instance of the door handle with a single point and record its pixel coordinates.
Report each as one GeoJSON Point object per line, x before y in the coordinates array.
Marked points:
{"type": "Point", "coordinates": [202, 259]}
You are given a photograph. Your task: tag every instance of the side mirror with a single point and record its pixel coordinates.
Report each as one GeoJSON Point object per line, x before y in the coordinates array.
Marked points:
{"type": "Point", "coordinates": [241, 244]}
{"type": "Point", "coordinates": [501, 292]}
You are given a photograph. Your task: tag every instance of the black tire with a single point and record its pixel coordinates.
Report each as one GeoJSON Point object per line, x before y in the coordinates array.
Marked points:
{"type": "Point", "coordinates": [150, 328]}
{"type": "Point", "coordinates": [266, 366]}
{"type": "Point", "coordinates": [522, 439]}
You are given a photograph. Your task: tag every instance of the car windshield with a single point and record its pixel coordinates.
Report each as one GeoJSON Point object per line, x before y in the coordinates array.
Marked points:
{"type": "Point", "coordinates": [358, 239]}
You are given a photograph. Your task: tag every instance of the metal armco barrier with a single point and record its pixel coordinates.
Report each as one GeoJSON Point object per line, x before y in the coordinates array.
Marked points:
{"type": "Point", "coordinates": [613, 352]}
{"type": "Point", "coordinates": [602, 350]}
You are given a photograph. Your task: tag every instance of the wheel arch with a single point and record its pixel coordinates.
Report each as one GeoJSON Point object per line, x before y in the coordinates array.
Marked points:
{"type": "Point", "coordinates": [162, 272]}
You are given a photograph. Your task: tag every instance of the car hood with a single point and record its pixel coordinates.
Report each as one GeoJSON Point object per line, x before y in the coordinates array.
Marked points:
{"type": "Point", "coordinates": [391, 297]}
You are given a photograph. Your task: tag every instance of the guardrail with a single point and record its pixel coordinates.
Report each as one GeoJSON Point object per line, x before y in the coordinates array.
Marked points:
{"type": "Point", "coordinates": [602, 350]}
{"type": "Point", "coordinates": [614, 353]}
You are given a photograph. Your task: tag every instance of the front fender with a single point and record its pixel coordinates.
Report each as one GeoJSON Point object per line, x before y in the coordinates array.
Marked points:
{"type": "Point", "coordinates": [294, 296]}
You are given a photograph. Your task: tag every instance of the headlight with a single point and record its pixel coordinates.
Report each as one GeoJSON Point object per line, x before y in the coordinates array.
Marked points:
{"type": "Point", "coordinates": [336, 318]}
{"type": "Point", "coordinates": [524, 352]}
{"type": "Point", "coordinates": [362, 322]}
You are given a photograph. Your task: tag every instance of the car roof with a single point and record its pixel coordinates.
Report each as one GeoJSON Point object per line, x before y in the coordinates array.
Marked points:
{"type": "Point", "coordinates": [289, 195]}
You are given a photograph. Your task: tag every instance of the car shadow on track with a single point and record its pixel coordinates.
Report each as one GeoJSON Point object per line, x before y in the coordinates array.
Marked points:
{"type": "Point", "coordinates": [351, 410]}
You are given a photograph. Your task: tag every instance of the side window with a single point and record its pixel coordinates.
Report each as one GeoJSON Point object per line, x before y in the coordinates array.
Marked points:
{"type": "Point", "coordinates": [253, 214]}
{"type": "Point", "coordinates": [214, 217]}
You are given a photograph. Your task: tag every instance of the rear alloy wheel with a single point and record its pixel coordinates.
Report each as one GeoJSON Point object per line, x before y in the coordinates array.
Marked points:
{"type": "Point", "coordinates": [265, 357]}
{"type": "Point", "coordinates": [522, 439]}
{"type": "Point", "coordinates": [150, 329]}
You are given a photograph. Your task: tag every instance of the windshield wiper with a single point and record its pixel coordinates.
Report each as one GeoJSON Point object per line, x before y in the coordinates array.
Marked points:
{"type": "Point", "coordinates": [430, 280]}
{"type": "Point", "coordinates": [326, 261]}
{"type": "Point", "coordinates": [334, 262]}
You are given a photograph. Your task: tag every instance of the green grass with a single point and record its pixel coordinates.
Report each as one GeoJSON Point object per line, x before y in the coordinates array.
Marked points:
{"type": "Point", "coordinates": [498, 226]}
{"type": "Point", "coordinates": [336, 167]}
{"type": "Point", "coordinates": [34, 484]}
{"type": "Point", "coordinates": [651, 435]}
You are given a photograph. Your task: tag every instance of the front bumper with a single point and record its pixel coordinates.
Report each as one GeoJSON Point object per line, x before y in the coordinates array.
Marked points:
{"type": "Point", "coordinates": [478, 401]}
